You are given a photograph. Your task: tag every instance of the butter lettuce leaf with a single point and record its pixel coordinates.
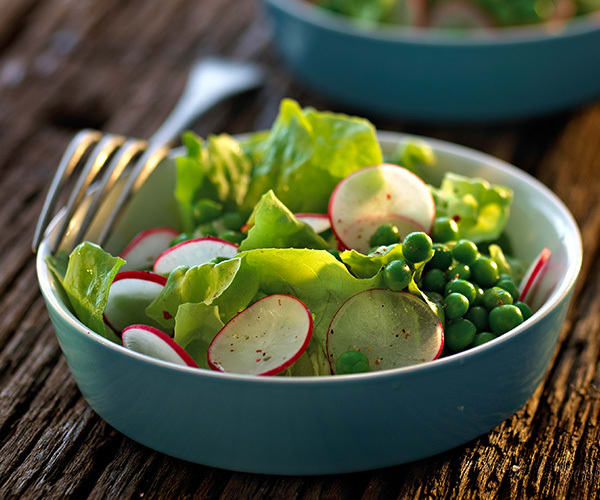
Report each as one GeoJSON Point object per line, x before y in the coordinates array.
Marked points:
{"type": "Point", "coordinates": [315, 277]}
{"type": "Point", "coordinates": [272, 225]}
{"type": "Point", "coordinates": [164, 307]}
{"type": "Point", "coordinates": [199, 284]}
{"type": "Point", "coordinates": [307, 153]}
{"type": "Point", "coordinates": [480, 208]}
{"type": "Point", "coordinates": [195, 327]}
{"type": "Point", "coordinates": [367, 266]}
{"type": "Point", "coordinates": [87, 280]}
{"type": "Point", "coordinates": [216, 169]}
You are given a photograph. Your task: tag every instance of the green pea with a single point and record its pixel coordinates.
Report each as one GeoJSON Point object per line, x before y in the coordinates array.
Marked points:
{"type": "Point", "coordinates": [397, 275]}
{"type": "Point", "coordinates": [482, 338]}
{"type": "Point", "coordinates": [510, 287]}
{"type": "Point", "coordinates": [525, 310]}
{"type": "Point", "coordinates": [484, 271]}
{"type": "Point", "coordinates": [504, 318]}
{"type": "Point", "coordinates": [434, 280]}
{"type": "Point", "coordinates": [233, 236]}
{"type": "Point", "coordinates": [351, 362]}
{"type": "Point", "coordinates": [461, 286]}
{"type": "Point", "coordinates": [387, 234]}
{"type": "Point", "coordinates": [417, 247]}
{"type": "Point", "coordinates": [444, 229]}
{"type": "Point", "coordinates": [459, 271]}
{"type": "Point", "coordinates": [494, 297]}
{"type": "Point", "coordinates": [206, 210]}
{"type": "Point", "coordinates": [233, 220]}
{"type": "Point", "coordinates": [504, 276]}
{"type": "Point", "coordinates": [180, 239]}
{"type": "Point", "coordinates": [479, 317]}
{"type": "Point", "coordinates": [465, 252]}
{"type": "Point", "coordinates": [459, 334]}
{"type": "Point", "coordinates": [442, 258]}
{"type": "Point", "coordinates": [456, 305]}
{"type": "Point", "coordinates": [478, 296]}
{"type": "Point", "coordinates": [205, 230]}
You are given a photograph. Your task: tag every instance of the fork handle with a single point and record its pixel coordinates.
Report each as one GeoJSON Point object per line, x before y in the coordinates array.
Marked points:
{"type": "Point", "coordinates": [200, 94]}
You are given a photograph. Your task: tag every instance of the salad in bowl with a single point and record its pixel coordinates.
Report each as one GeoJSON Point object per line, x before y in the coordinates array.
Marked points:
{"type": "Point", "coordinates": [305, 251]}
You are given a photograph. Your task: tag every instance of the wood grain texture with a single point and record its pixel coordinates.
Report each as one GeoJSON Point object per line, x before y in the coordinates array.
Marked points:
{"type": "Point", "coordinates": [120, 65]}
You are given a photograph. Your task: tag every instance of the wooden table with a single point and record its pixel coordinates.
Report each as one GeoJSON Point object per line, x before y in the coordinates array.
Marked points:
{"type": "Point", "coordinates": [119, 66]}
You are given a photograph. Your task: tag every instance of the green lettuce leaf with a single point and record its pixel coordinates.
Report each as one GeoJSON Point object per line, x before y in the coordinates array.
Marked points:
{"type": "Point", "coordinates": [254, 146]}
{"type": "Point", "coordinates": [216, 169]}
{"type": "Point", "coordinates": [367, 266]}
{"type": "Point", "coordinates": [164, 307]}
{"type": "Point", "coordinates": [415, 155]}
{"type": "Point", "coordinates": [87, 280]}
{"type": "Point", "coordinates": [315, 277]}
{"type": "Point", "coordinates": [199, 284]}
{"type": "Point", "coordinates": [482, 209]}
{"type": "Point", "coordinates": [312, 363]}
{"type": "Point", "coordinates": [195, 327]}
{"type": "Point", "coordinates": [58, 264]}
{"type": "Point", "coordinates": [307, 153]}
{"type": "Point", "coordinates": [274, 226]}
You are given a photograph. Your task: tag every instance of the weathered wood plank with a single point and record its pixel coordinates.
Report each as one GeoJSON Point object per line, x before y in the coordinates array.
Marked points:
{"type": "Point", "coordinates": [121, 66]}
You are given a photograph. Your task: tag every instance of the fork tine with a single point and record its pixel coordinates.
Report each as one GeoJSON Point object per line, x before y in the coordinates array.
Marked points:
{"type": "Point", "coordinates": [142, 169]}
{"type": "Point", "coordinates": [70, 159]}
{"type": "Point", "coordinates": [111, 174]}
{"type": "Point", "coordinates": [97, 159]}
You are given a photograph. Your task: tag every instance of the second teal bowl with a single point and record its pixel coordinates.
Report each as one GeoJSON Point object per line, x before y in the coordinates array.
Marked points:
{"type": "Point", "coordinates": [423, 75]}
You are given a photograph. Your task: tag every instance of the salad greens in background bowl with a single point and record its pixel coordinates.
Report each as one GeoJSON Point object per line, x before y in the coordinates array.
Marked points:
{"type": "Point", "coordinates": [413, 72]}
{"type": "Point", "coordinates": [286, 303]}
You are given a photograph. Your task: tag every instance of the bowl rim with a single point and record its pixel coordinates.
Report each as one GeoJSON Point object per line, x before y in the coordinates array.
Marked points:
{"type": "Point", "coordinates": [533, 33]}
{"type": "Point", "coordinates": [555, 299]}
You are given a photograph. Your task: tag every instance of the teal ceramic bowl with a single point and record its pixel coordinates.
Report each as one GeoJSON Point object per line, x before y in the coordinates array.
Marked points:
{"type": "Point", "coordinates": [426, 75]}
{"type": "Point", "coordinates": [325, 425]}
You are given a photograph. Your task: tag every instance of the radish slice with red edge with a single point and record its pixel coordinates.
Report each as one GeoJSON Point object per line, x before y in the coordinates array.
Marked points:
{"type": "Point", "coordinates": [319, 222]}
{"type": "Point", "coordinates": [392, 329]}
{"type": "Point", "coordinates": [156, 344]}
{"type": "Point", "coordinates": [534, 275]}
{"type": "Point", "coordinates": [263, 339]}
{"type": "Point", "coordinates": [145, 247]}
{"type": "Point", "coordinates": [193, 253]}
{"type": "Point", "coordinates": [129, 295]}
{"type": "Point", "coordinates": [382, 194]}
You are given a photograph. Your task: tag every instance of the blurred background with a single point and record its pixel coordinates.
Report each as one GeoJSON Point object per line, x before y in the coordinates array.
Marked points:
{"type": "Point", "coordinates": [120, 66]}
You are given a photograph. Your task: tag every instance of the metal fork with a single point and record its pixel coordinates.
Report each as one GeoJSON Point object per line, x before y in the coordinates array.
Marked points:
{"type": "Point", "coordinates": [108, 156]}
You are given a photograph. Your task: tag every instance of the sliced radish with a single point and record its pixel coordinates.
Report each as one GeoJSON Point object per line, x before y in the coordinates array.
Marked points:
{"type": "Point", "coordinates": [264, 339]}
{"type": "Point", "coordinates": [378, 195]}
{"type": "Point", "coordinates": [534, 275]}
{"type": "Point", "coordinates": [129, 295]}
{"type": "Point", "coordinates": [319, 222]}
{"type": "Point", "coordinates": [152, 342]}
{"type": "Point", "coordinates": [146, 246]}
{"type": "Point", "coordinates": [459, 14]}
{"type": "Point", "coordinates": [393, 329]}
{"type": "Point", "coordinates": [193, 253]}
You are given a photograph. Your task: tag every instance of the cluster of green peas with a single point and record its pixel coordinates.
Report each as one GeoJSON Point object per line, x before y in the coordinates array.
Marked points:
{"type": "Point", "coordinates": [211, 221]}
{"type": "Point", "coordinates": [479, 302]}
